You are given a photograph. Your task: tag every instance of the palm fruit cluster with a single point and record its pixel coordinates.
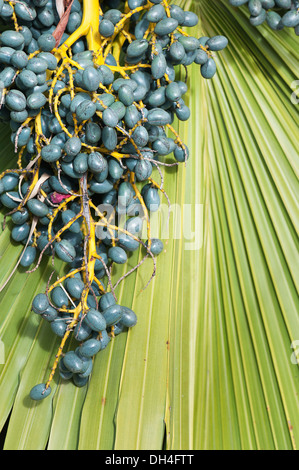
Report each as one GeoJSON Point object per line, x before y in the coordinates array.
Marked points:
{"type": "Point", "coordinates": [90, 94]}
{"type": "Point", "coordinates": [277, 13]}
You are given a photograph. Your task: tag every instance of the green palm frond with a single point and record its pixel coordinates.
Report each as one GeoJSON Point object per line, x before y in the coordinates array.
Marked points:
{"type": "Point", "coordinates": [208, 365]}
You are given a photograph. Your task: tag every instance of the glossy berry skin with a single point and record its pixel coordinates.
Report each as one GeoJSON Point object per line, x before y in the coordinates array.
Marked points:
{"type": "Point", "coordinates": [85, 110]}
{"type": "Point", "coordinates": [166, 26]}
{"type": "Point", "coordinates": [26, 79]}
{"type": "Point", "coordinates": [72, 147]}
{"type": "Point", "coordinates": [39, 392]}
{"type": "Point", "coordinates": [46, 42]}
{"type": "Point", "coordinates": [66, 218]}
{"type": "Point", "coordinates": [50, 314]}
{"type": "Point", "coordinates": [15, 100]}
{"type": "Point", "coordinates": [106, 301]}
{"type": "Point", "coordinates": [217, 43]}
{"type": "Point", "coordinates": [65, 251]}
{"type": "Point", "coordinates": [20, 232]}
{"type": "Point", "coordinates": [137, 48]}
{"type": "Point", "coordinates": [104, 339]}
{"type": "Point", "coordinates": [208, 69]}
{"type": "Point", "coordinates": [37, 65]}
{"type": "Point", "coordinates": [181, 153]}
{"type": "Point", "coordinates": [9, 182]}
{"type": "Point", "coordinates": [117, 254]}
{"type": "Point", "coordinates": [65, 374]}
{"type": "Point", "coordinates": [143, 170]}
{"type": "Point", "coordinates": [156, 246]}
{"type": "Point", "coordinates": [37, 208]}
{"type": "Point", "coordinates": [58, 326]}
{"type": "Point", "coordinates": [82, 331]}
{"type": "Point", "coordinates": [110, 118]}
{"type": "Point", "coordinates": [73, 362]}
{"type": "Point", "coordinates": [88, 365]}
{"type": "Point", "coordinates": [20, 217]}
{"type": "Point", "coordinates": [91, 78]}
{"type": "Point", "coordinates": [51, 153]}
{"type": "Point", "coordinates": [90, 347]}
{"type": "Point", "coordinates": [6, 54]}
{"type": "Point", "coordinates": [112, 314]}
{"type": "Point", "coordinates": [276, 13]}
{"type": "Point", "coordinates": [28, 256]}
{"type": "Point", "coordinates": [80, 381]}
{"type": "Point", "coordinates": [106, 28]}
{"type": "Point", "coordinates": [134, 225]}
{"type": "Point", "coordinates": [128, 318]}
{"type": "Point", "coordinates": [74, 287]}
{"type": "Point", "coordinates": [158, 117]}
{"type": "Point", "coordinates": [36, 100]}
{"type": "Point", "coordinates": [125, 194]}
{"type": "Point", "coordinates": [40, 303]}
{"type": "Point", "coordinates": [96, 162]}
{"type": "Point", "coordinates": [95, 320]}
{"type": "Point", "coordinates": [158, 67]}
{"type": "Point", "coordinates": [155, 13]}
{"type": "Point", "coordinates": [93, 133]}
{"type": "Point", "coordinates": [152, 199]}
{"type": "Point", "coordinates": [59, 297]}
{"type": "Point", "coordinates": [12, 39]}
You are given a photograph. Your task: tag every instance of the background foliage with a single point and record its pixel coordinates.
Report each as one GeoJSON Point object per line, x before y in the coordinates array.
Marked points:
{"type": "Point", "coordinates": [208, 366]}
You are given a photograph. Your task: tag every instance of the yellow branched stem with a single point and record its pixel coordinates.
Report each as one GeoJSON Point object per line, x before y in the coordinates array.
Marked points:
{"type": "Point", "coordinates": [140, 199]}
{"type": "Point", "coordinates": [14, 17]}
{"type": "Point", "coordinates": [62, 344]}
{"type": "Point", "coordinates": [56, 212]}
